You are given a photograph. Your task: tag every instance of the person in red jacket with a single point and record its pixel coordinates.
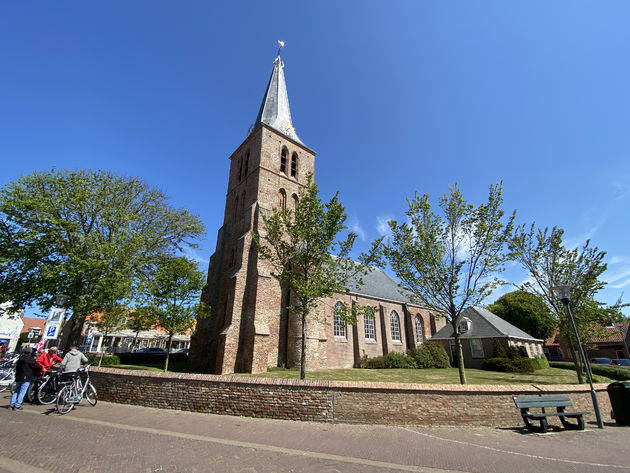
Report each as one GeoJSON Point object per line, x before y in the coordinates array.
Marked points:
{"type": "Point", "coordinates": [47, 358]}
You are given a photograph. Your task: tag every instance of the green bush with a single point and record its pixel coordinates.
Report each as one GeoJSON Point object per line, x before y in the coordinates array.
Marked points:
{"type": "Point", "coordinates": [391, 360]}
{"type": "Point", "coordinates": [613, 372]}
{"type": "Point", "coordinates": [438, 354]}
{"type": "Point", "coordinates": [376, 363]}
{"type": "Point", "coordinates": [524, 365]}
{"type": "Point", "coordinates": [108, 360]}
{"type": "Point", "coordinates": [504, 365]}
{"type": "Point", "coordinates": [507, 365]}
{"type": "Point", "coordinates": [540, 363]}
{"type": "Point", "coordinates": [498, 349]}
{"type": "Point", "coordinates": [421, 357]}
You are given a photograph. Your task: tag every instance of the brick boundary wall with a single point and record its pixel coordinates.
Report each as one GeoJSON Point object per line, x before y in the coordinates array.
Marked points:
{"type": "Point", "coordinates": [334, 401]}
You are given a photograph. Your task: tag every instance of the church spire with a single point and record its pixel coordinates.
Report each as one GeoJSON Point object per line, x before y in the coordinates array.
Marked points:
{"type": "Point", "coordinates": [274, 110]}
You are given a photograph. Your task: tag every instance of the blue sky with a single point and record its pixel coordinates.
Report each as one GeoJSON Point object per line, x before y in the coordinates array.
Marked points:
{"type": "Point", "coordinates": [393, 97]}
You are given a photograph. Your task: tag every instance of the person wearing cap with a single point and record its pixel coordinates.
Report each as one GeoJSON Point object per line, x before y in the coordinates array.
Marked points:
{"type": "Point", "coordinates": [25, 370]}
{"type": "Point", "coordinates": [47, 358]}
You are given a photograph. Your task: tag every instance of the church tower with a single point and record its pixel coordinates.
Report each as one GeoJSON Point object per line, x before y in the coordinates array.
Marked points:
{"type": "Point", "coordinates": [247, 329]}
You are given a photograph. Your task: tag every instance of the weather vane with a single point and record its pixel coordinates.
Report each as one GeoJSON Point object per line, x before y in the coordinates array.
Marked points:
{"type": "Point", "coordinates": [280, 46]}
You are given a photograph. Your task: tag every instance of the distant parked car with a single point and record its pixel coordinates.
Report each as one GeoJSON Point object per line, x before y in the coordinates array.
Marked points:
{"type": "Point", "coordinates": [600, 361]}
{"type": "Point", "coordinates": [180, 350]}
{"type": "Point", "coordinates": [152, 351]}
{"type": "Point", "coordinates": [621, 362]}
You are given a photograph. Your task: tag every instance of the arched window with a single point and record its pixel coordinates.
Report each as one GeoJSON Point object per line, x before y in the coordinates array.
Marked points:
{"type": "Point", "coordinates": [240, 169]}
{"type": "Point", "coordinates": [338, 322]}
{"type": "Point", "coordinates": [243, 201]}
{"type": "Point", "coordinates": [282, 200]}
{"type": "Point", "coordinates": [368, 323]}
{"type": "Point", "coordinates": [235, 209]}
{"type": "Point", "coordinates": [246, 162]}
{"type": "Point", "coordinates": [283, 160]}
{"type": "Point", "coordinates": [295, 201]}
{"type": "Point", "coordinates": [394, 321]}
{"type": "Point", "coordinates": [419, 336]}
{"type": "Point", "coordinates": [294, 165]}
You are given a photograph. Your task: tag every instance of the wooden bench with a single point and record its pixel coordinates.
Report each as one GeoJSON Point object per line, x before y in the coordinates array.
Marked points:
{"type": "Point", "coordinates": [560, 402]}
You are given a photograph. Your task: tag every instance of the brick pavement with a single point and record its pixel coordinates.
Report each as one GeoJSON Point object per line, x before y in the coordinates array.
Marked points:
{"type": "Point", "coordinates": [120, 438]}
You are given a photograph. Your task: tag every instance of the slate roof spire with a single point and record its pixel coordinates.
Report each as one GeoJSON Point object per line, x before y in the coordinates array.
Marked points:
{"type": "Point", "coordinates": [274, 110]}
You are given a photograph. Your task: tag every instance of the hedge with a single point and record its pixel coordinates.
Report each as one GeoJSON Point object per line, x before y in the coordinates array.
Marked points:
{"type": "Point", "coordinates": [613, 372]}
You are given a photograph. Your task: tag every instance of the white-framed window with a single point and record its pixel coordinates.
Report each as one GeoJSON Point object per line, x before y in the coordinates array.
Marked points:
{"type": "Point", "coordinates": [476, 348]}
{"type": "Point", "coordinates": [338, 323]}
{"type": "Point", "coordinates": [394, 322]}
{"type": "Point", "coordinates": [419, 335]}
{"type": "Point", "coordinates": [370, 331]}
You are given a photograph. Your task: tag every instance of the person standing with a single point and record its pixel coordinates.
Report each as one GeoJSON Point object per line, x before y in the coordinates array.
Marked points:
{"type": "Point", "coordinates": [72, 361]}
{"type": "Point", "coordinates": [47, 358]}
{"type": "Point", "coordinates": [24, 372]}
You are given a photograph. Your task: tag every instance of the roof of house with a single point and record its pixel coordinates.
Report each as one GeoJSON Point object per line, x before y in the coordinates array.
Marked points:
{"type": "Point", "coordinates": [30, 322]}
{"type": "Point", "coordinates": [618, 332]}
{"type": "Point", "coordinates": [484, 324]}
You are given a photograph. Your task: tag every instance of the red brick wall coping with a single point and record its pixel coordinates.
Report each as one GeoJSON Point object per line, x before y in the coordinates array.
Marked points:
{"type": "Point", "coordinates": [332, 401]}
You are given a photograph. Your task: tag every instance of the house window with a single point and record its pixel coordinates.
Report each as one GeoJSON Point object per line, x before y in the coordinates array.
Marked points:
{"type": "Point", "coordinates": [283, 160]}
{"type": "Point", "coordinates": [339, 323]}
{"type": "Point", "coordinates": [294, 164]}
{"type": "Point", "coordinates": [395, 324]}
{"type": "Point", "coordinates": [282, 202]}
{"type": "Point", "coordinates": [368, 323]}
{"type": "Point", "coordinates": [476, 348]}
{"type": "Point", "coordinates": [419, 337]}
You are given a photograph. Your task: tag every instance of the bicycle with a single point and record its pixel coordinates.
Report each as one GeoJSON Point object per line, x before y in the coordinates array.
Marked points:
{"type": "Point", "coordinates": [7, 373]}
{"type": "Point", "coordinates": [74, 391]}
{"type": "Point", "coordinates": [48, 387]}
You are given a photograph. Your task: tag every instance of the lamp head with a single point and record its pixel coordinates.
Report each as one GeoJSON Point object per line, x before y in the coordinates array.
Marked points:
{"type": "Point", "coordinates": [563, 292]}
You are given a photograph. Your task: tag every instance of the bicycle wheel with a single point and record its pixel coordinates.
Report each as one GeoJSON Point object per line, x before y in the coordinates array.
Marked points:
{"type": "Point", "coordinates": [31, 392]}
{"type": "Point", "coordinates": [6, 378]}
{"type": "Point", "coordinates": [63, 403]}
{"type": "Point", "coordinates": [90, 394]}
{"type": "Point", "coordinates": [46, 393]}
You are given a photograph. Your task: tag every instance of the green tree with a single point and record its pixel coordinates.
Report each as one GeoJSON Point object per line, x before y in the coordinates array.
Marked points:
{"type": "Point", "coordinates": [526, 311]}
{"type": "Point", "coordinates": [111, 318]}
{"type": "Point", "coordinates": [549, 263]}
{"type": "Point", "coordinates": [90, 235]}
{"type": "Point", "coordinates": [450, 262]}
{"type": "Point", "coordinates": [307, 258]}
{"type": "Point", "coordinates": [172, 296]}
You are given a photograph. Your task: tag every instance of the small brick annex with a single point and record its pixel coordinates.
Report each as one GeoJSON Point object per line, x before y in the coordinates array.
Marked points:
{"type": "Point", "coordinates": [333, 401]}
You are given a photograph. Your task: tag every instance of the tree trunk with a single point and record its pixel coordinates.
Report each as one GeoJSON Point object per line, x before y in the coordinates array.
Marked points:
{"type": "Point", "coordinates": [460, 358]}
{"type": "Point", "coordinates": [72, 328]}
{"type": "Point", "coordinates": [168, 350]}
{"type": "Point", "coordinates": [303, 355]}
{"type": "Point", "coordinates": [577, 362]}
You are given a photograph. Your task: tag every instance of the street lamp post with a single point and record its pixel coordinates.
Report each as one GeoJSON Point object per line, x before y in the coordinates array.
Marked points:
{"type": "Point", "coordinates": [563, 293]}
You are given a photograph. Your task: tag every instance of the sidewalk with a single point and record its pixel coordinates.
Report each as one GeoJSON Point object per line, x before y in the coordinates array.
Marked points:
{"type": "Point", "coordinates": [120, 438]}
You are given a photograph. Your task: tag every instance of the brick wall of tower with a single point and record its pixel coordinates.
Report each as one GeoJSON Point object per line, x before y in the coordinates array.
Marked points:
{"type": "Point", "coordinates": [244, 331]}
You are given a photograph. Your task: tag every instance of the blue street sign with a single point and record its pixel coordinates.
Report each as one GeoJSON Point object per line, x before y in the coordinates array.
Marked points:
{"type": "Point", "coordinates": [88, 340]}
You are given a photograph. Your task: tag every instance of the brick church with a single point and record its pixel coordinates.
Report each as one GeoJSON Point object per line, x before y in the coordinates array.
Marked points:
{"type": "Point", "coordinates": [249, 328]}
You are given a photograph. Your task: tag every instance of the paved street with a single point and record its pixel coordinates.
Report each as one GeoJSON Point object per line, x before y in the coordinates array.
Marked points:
{"type": "Point", "coordinates": [119, 438]}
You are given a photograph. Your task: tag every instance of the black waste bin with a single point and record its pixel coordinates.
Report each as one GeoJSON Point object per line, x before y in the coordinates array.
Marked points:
{"type": "Point", "coordinates": [619, 394]}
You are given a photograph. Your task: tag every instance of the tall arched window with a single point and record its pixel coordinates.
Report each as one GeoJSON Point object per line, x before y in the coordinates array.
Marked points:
{"type": "Point", "coordinates": [235, 209]}
{"type": "Point", "coordinates": [240, 169]}
{"type": "Point", "coordinates": [338, 322]}
{"type": "Point", "coordinates": [368, 323]}
{"type": "Point", "coordinates": [419, 336]}
{"type": "Point", "coordinates": [294, 165]}
{"type": "Point", "coordinates": [395, 324]}
{"type": "Point", "coordinates": [282, 200]}
{"type": "Point", "coordinates": [283, 160]}
{"type": "Point", "coordinates": [246, 162]}
{"type": "Point", "coordinates": [295, 201]}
